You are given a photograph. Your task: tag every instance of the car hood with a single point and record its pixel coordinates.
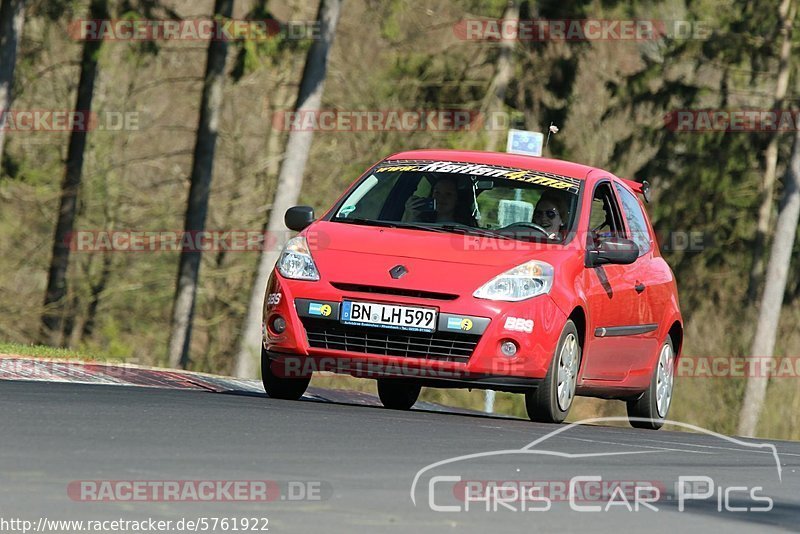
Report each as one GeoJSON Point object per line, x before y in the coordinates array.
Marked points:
{"type": "Point", "coordinates": [354, 254]}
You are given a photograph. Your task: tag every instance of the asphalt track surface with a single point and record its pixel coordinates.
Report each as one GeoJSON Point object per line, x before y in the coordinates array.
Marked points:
{"type": "Point", "coordinates": [362, 461]}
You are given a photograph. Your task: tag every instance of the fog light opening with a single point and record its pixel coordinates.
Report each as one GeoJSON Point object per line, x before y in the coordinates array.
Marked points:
{"type": "Point", "coordinates": [508, 348]}
{"type": "Point", "coordinates": [278, 324]}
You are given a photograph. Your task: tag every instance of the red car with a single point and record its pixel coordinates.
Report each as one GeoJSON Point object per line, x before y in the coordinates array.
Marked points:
{"type": "Point", "coordinates": [483, 270]}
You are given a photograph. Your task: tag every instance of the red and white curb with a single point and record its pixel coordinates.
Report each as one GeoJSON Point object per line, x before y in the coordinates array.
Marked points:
{"type": "Point", "coordinates": [19, 368]}
{"type": "Point", "coordinates": [79, 372]}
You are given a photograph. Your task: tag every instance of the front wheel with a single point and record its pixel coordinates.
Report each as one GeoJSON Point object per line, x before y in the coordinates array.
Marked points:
{"type": "Point", "coordinates": [396, 394]}
{"type": "Point", "coordinates": [651, 409]}
{"type": "Point", "coordinates": [281, 387]}
{"type": "Point", "coordinates": [552, 400]}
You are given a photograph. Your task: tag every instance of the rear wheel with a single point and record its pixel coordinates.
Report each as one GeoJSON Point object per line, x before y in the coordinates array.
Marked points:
{"type": "Point", "coordinates": [650, 410]}
{"type": "Point", "coordinates": [397, 394]}
{"type": "Point", "coordinates": [552, 400]}
{"type": "Point", "coordinates": [281, 387]}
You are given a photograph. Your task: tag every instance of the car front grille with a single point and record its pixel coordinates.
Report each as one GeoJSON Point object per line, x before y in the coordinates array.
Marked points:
{"type": "Point", "coordinates": [441, 346]}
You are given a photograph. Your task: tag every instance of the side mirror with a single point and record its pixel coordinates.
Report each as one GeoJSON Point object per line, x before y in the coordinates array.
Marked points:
{"type": "Point", "coordinates": [614, 250]}
{"type": "Point", "coordinates": [646, 191]}
{"type": "Point", "coordinates": [299, 217]}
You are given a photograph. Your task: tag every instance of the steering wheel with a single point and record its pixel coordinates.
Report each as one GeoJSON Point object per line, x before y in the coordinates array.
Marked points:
{"type": "Point", "coordinates": [529, 225]}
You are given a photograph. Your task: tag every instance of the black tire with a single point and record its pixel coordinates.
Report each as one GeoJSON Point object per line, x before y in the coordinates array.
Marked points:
{"type": "Point", "coordinates": [281, 387]}
{"type": "Point", "coordinates": [397, 394]}
{"type": "Point", "coordinates": [643, 412]}
{"type": "Point", "coordinates": [542, 404]}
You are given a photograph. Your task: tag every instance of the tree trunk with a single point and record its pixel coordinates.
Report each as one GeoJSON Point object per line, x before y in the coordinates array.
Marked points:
{"type": "Point", "coordinates": [494, 104]}
{"type": "Point", "coordinates": [87, 329]}
{"type": "Point", "coordinates": [787, 12]}
{"type": "Point", "coordinates": [290, 181]}
{"type": "Point", "coordinates": [12, 18]}
{"type": "Point", "coordinates": [273, 151]}
{"type": "Point", "coordinates": [197, 204]}
{"type": "Point", "coordinates": [774, 289]}
{"type": "Point", "coordinates": [502, 77]}
{"type": "Point", "coordinates": [53, 315]}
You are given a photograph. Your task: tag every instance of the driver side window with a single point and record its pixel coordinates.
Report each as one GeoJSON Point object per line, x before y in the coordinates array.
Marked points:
{"type": "Point", "coordinates": [605, 220]}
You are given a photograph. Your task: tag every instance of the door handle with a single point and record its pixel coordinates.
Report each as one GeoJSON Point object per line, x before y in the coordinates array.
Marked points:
{"type": "Point", "coordinates": [639, 287]}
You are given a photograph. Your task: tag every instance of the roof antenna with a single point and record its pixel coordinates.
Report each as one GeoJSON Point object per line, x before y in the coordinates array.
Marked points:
{"type": "Point", "coordinates": [553, 129]}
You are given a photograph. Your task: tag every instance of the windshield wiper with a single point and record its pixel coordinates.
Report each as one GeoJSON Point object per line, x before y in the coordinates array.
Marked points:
{"type": "Point", "coordinates": [440, 228]}
{"type": "Point", "coordinates": [387, 224]}
{"type": "Point", "coordinates": [471, 230]}
{"type": "Point", "coordinates": [365, 222]}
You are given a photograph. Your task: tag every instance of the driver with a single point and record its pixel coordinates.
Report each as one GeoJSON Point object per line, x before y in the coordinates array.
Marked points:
{"type": "Point", "coordinates": [448, 204]}
{"type": "Point", "coordinates": [551, 213]}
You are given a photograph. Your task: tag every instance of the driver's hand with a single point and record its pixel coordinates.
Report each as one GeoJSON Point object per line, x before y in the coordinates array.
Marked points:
{"type": "Point", "coordinates": [414, 207]}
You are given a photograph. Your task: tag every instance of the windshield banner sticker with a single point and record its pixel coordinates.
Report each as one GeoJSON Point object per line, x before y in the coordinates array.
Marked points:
{"type": "Point", "coordinates": [479, 169]}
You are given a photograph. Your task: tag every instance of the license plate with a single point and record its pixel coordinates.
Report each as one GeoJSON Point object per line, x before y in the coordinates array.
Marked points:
{"type": "Point", "coordinates": [388, 316]}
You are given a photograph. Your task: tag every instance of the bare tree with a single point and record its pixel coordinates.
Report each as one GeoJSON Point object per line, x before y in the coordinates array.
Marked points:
{"type": "Point", "coordinates": [502, 77]}
{"type": "Point", "coordinates": [786, 15]}
{"type": "Point", "coordinates": [12, 18]}
{"type": "Point", "coordinates": [493, 103]}
{"type": "Point", "coordinates": [197, 204]}
{"type": "Point", "coordinates": [54, 305]}
{"type": "Point", "coordinates": [290, 181]}
{"type": "Point", "coordinates": [774, 289]}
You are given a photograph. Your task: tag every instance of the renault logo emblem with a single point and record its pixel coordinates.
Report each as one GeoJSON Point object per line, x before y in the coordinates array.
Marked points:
{"type": "Point", "coordinates": [398, 271]}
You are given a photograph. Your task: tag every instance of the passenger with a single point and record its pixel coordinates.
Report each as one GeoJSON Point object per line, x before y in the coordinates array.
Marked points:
{"type": "Point", "coordinates": [552, 213]}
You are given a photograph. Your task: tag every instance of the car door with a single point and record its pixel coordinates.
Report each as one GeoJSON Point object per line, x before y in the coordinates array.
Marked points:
{"type": "Point", "coordinates": [611, 298]}
{"type": "Point", "coordinates": [644, 274]}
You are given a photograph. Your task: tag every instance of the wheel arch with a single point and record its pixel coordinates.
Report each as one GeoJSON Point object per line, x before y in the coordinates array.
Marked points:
{"type": "Point", "coordinates": [578, 316]}
{"type": "Point", "coordinates": [676, 333]}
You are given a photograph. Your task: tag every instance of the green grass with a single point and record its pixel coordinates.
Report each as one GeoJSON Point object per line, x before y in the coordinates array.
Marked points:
{"type": "Point", "coordinates": [43, 351]}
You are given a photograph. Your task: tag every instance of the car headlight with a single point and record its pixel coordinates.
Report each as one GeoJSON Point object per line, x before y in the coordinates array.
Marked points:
{"type": "Point", "coordinates": [296, 261]}
{"type": "Point", "coordinates": [520, 283]}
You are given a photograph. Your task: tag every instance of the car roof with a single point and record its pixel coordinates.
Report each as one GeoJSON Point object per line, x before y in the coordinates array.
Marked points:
{"type": "Point", "coordinates": [530, 163]}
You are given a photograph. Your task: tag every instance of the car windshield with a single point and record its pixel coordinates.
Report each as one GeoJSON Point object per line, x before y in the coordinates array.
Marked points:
{"type": "Point", "coordinates": [471, 198]}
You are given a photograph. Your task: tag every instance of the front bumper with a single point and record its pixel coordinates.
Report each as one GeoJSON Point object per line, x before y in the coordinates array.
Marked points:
{"type": "Point", "coordinates": [450, 356]}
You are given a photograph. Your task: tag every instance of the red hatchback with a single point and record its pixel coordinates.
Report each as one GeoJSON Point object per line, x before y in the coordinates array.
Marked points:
{"type": "Point", "coordinates": [479, 270]}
